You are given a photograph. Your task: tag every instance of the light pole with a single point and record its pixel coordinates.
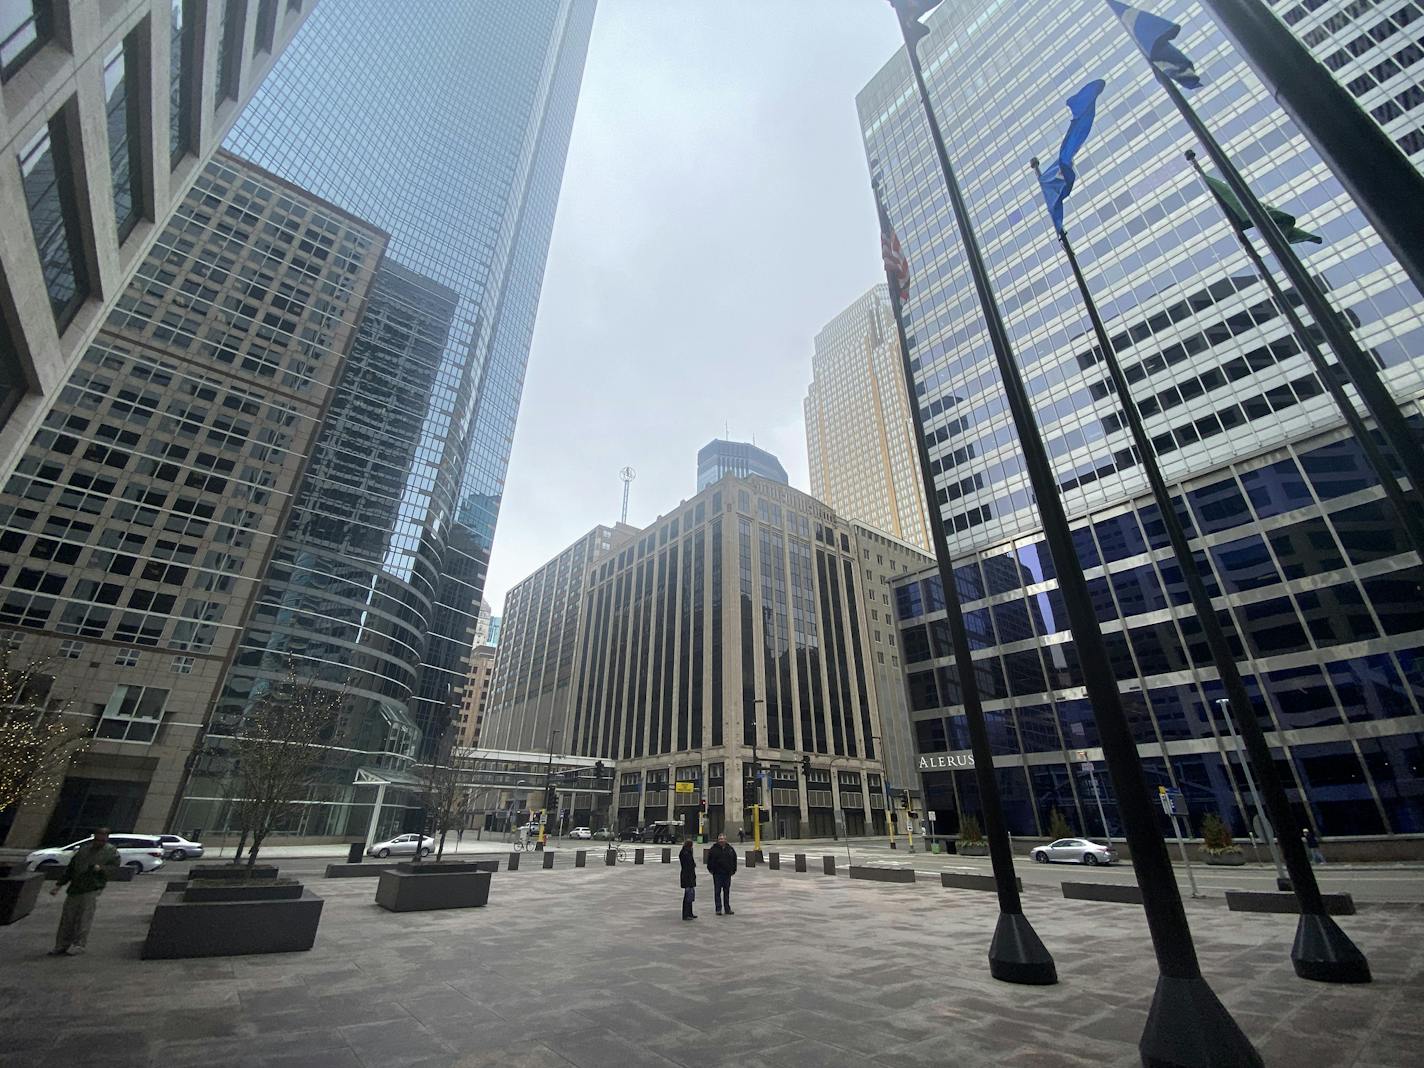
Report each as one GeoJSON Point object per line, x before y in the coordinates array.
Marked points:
{"type": "Point", "coordinates": [756, 782]}
{"type": "Point", "coordinates": [509, 812]}
{"type": "Point", "coordinates": [1225, 706]}
{"type": "Point", "coordinates": [885, 790]}
{"type": "Point", "coordinates": [548, 789]}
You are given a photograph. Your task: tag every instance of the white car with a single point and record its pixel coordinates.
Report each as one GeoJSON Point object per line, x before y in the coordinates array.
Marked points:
{"type": "Point", "coordinates": [176, 847]}
{"type": "Point", "coordinates": [403, 845]}
{"type": "Point", "coordinates": [1076, 850]}
{"type": "Point", "coordinates": [142, 852]}
{"type": "Point", "coordinates": [581, 832]}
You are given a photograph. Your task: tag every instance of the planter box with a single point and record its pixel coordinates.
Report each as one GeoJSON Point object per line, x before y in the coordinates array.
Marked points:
{"type": "Point", "coordinates": [353, 871]}
{"type": "Point", "coordinates": [259, 890]}
{"type": "Point", "coordinates": [1225, 860]}
{"type": "Point", "coordinates": [1269, 901]}
{"type": "Point", "coordinates": [18, 894]}
{"type": "Point", "coordinates": [121, 874]}
{"type": "Point", "coordinates": [400, 891]}
{"type": "Point", "coordinates": [232, 871]}
{"type": "Point", "coordinates": [972, 849]}
{"type": "Point", "coordinates": [957, 881]}
{"type": "Point", "coordinates": [882, 875]}
{"type": "Point", "coordinates": [182, 929]}
{"type": "Point", "coordinates": [1121, 893]}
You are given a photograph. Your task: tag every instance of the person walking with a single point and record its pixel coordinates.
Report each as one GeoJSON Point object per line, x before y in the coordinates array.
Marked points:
{"type": "Point", "coordinates": [722, 863]}
{"type": "Point", "coordinates": [741, 837]}
{"type": "Point", "coordinates": [688, 879]}
{"type": "Point", "coordinates": [1312, 845]}
{"type": "Point", "coordinates": [86, 875]}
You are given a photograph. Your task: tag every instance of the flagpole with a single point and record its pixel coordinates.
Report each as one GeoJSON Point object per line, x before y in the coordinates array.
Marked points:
{"type": "Point", "coordinates": [1409, 517]}
{"type": "Point", "coordinates": [1407, 447]}
{"type": "Point", "coordinates": [1187, 1023]}
{"type": "Point", "coordinates": [1322, 950]}
{"type": "Point", "coordinates": [1372, 168]}
{"type": "Point", "coordinates": [1016, 953]}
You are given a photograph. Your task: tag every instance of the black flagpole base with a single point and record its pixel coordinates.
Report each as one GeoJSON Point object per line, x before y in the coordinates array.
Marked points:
{"type": "Point", "coordinates": [1324, 952]}
{"type": "Point", "coordinates": [1018, 955]}
{"type": "Point", "coordinates": [1189, 1027]}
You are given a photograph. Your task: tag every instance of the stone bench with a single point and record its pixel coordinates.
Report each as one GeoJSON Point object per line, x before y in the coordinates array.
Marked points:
{"type": "Point", "coordinates": [424, 891]}
{"type": "Point", "coordinates": [882, 875]}
{"type": "Point", "coordinates": [958, 881]}
{"type": "Point", "coordinates": [1270, 901]}
{"type": "Point", "coordinates": [1119, 893]}
{"type": "Point", "coordinates": [182, 928]}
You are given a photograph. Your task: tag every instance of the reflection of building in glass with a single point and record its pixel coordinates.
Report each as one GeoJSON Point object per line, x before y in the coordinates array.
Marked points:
{"type": "Point", "coordinates": [384, 591]}
{"type": "Point", "coordinates": [143, 514]}
{"type": "Point", "coordinates": [720, 458]}
{"type": "Point", "coordinates": [859, 432]}
{"type": "Point", "coordinates": [1288, 518]}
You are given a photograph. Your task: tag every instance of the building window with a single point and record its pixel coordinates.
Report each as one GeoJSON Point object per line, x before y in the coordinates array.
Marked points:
{"type": "Point", "coordinates": [25, 28]}
{"type": "Point", "coordinates": [266, 25]}
{"type": "Point", "coordinates": [182, 665]}
{"type": "Point", "coordinates": [127, 658]}
{"type": "Point", "coordinates": [229, 68]}
{"type": "Point", "coordinates": [71, 650]}
{"type": "Point", "coordinates": [132, 714]}
{"type": "Point", "coordinates": [54, 217]}
{"type": "Point", "coordinates": [182, 80]}
{"type": "Point", "coordinates": [122, 86]}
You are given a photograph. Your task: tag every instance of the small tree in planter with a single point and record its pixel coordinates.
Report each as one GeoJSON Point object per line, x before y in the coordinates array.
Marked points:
{"type": "Point", "coordinates": [36, 742]}
{"type": "Point", "coordinates": [279, 749]}
{"type": "Point", "coordinates": [1217, 845]}
{"type": "Point", "coordinates": [971, 838]}
{"type": "Point", "coordinates": [1058, 826]}
{"type": "Point", "coordinates": [442, 793]}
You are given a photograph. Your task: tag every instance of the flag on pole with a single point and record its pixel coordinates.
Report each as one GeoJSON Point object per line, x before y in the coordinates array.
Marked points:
{"type": "Point", "coordinates": [897, 267]}
{"type": "Point", "coordinates": [1285, 223]}
{"type": "Point", "coordinates": [910, 12]}
{"type": "Point", "coordinates": [1154, 35]}
{"type": "Point", "coordinates": [1057, 179]}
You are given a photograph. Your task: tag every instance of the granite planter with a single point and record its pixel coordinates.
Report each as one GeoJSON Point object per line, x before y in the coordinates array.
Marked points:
{"type": "Point", "coordinates": [230, 921]}
{"type": "Point", "coordinates": [19, 890]}
{"type": "Point", "coordinates": [972, 849]}
{"type": "Point", "coordinates": [424, 890]}
{"type": "Point", "coordinates": [1224, 860]}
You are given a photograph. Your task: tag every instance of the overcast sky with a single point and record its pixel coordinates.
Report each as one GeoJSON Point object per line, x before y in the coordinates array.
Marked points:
{"type": "Point", "coordinates": [715, 214]}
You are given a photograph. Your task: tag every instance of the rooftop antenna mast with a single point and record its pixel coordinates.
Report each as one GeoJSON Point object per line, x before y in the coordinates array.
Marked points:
{"type": "Point", "coordinates": [627, 475]}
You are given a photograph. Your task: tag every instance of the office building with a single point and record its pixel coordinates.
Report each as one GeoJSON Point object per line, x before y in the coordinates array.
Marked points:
{"type": "Point", "coordinates": [860, 438]}
{"type": "Point", "coordinates": [375, 586]}
{"type": "Point", "coordinates": [1299, 545]}
{"type": "Point", "coordinates": [144, 511]}
{"type": "Point", "coordinates": [108, 112]}
{"type": "Point", "coordinates": [475, 699]}
{"type": "Point", "coordinates": [719, 458]}
{"type": "Point", "coordinates": [532, 688]}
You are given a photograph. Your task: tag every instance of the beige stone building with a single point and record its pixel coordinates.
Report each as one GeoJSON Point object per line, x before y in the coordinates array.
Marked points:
{"type": "Point", "coordinates": [859, 432]}
{"type": "Point", "coordinates": [474, 700]}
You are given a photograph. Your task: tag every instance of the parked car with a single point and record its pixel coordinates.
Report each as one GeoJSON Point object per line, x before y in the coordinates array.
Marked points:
{"type": "Point", "coordinates": [141, 852]}
{"type": "Point", "coordinates": [581, 832]}
{"type": "Point", "coordinates": [1077, 850]}
{"type": "Point", "coordinates": [630, 834]}
{"type": "Point", "coordinates": [176, 847]}
{"type": "Point", "coordinates": [403, 845]}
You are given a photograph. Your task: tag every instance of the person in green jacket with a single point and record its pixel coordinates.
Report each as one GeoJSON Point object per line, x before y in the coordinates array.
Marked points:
{"type": "Point", "coordinates": [85, 876]}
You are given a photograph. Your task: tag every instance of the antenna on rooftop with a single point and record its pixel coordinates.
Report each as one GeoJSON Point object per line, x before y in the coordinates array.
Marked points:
{"type": "Point", "coordinates": [627, 475]}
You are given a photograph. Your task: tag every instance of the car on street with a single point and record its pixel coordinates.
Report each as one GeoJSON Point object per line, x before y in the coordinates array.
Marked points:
{"type": "Point", "coordinates": [141, 852]}
{"type": "Point", "coordinates": [630, 834]}
{"type": "Point", "coordinates": [176, 847]}
{"type": "Point", "coordinates": [605, 834]}
{"type": "Point", "coordinates": [581, 832]}
{"type": "Point", "coordinates": [1076, 851]}
{"type": "Point", "coordinates": [403, 845]}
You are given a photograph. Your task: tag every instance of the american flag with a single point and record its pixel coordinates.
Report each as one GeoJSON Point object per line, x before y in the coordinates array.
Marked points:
{"type": "Point", "coordinates": [897, 268]}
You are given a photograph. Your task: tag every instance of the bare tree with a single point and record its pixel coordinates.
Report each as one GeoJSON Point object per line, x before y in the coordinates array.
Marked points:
{"type": "Point", "coordinates": [36, 742]}
{"type": "Point", "coordinates": [443, 793]}
{"type": "Point", "coordinates": [279, 748]}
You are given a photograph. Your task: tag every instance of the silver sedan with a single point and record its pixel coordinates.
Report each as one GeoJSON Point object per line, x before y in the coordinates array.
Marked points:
{"type": "Point", "coordinates": [1076, 850]}
{"type": "Point", "coordinates": [403, 844]}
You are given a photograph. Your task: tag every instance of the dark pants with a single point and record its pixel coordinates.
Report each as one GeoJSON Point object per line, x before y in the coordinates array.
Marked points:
{"type": "Point", "coordinates": [722, 891]}
{"type": "Point", "coordinates": [688, 893]}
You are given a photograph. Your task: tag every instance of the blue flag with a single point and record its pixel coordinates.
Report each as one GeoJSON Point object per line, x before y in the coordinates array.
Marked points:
{"type": "Point", "coordinates": [1057, 180]}
{"type": "Point", "coordinates": [1153, 35]}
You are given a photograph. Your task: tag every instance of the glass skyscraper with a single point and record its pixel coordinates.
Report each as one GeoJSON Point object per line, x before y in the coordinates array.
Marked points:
{"type": "Point", "coordinates": [446, 125]}
{"type": "Point", "coordinates": [1301, 551]}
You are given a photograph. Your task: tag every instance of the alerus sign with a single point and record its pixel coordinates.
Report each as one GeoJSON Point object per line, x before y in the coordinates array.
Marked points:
{"type": "Point", "coordinates": [946, 760]}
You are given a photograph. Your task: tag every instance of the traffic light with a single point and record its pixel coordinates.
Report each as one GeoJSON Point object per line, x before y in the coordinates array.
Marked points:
{"type": "Point", "coordinates": [702, 805]}
{"type": "Point", "coordinates": [905, 799]}
{"type": "Point", "coordinates": [806, 767]}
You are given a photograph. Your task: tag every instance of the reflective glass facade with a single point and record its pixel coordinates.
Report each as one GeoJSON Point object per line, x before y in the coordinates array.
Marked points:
{"type": "Point", "coordinates": [1290, 522]}
{"type": "Point", "coordinates": [447, 126]}
{"type": "Point", "coordinates": [718, 459]}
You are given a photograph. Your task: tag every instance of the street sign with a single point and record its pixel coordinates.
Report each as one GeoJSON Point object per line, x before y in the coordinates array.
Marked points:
{"type": "Point", "coordinates": [1173, 803]}
{"type": "Point", "coordinates": [684, 787]}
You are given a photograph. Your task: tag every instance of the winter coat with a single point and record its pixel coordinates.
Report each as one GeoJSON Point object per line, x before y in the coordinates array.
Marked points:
{"type": "Point", "coordinates": [721, 859]}
{"type": "Point", "coordinates": [689, 869]}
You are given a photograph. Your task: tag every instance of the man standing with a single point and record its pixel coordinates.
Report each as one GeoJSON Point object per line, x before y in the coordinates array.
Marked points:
{"type": "Point", "coordinates": [722, 862]}
{"type": "Point", "coordinates": [86, 876]}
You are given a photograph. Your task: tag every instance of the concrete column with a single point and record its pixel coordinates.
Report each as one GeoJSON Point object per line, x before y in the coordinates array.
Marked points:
{"type": "Point", "coordinates": [375, 815]}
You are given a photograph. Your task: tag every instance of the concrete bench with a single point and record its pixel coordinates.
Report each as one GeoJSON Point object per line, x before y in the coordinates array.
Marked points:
{"type": "Point", "coordinates": [957, 881]}
{"type": "Point", "coordinates": [418, 891]}
{"type": "Point", "coordinates": [1120, 893]}
{"type": "Point", "coordinates": [1269, 901]}
{"type": "Point", "coordinates": [355, 871]}
{"type": "Point", "coordinates": [882, 875]}
{"type": "Point", "coordinates": [231, 928]}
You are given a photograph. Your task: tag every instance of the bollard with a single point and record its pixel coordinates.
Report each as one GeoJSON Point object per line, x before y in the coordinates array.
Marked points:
{"type": "Point", "coordinates": [581, 858]}
{"type": "Point", "coordinates": [800, 861]}
{"type": "Point", "coordinates": [355, 852]}
{"type": "Point", "coordinates": [828, 865]}
{"type": "Point", "coordinates": [611, 857]}
{"type": "Point", "coordinates": [513, 864]}
{"type": "Point", "coordinates": [549, 859]}
{"type": "Point", "coordinates": [637, 856]}
{"type": "Point", "coordinates": [667, 856]}
{"type": "Point", "coordinates": [774, 861]}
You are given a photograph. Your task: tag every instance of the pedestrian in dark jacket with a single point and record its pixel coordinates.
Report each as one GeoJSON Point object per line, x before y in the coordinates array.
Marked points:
{"type": "Point", "coordinates": [1312, 845]}
{"type": "Point", "coordinates": [688, 879]}
{"type": "Point", "coordinates": [722, 863]}
{"type": "Point", "coordinates": [86, 876]}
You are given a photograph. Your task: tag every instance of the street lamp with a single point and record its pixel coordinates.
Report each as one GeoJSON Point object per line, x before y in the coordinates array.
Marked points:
{"type": "Point", "coordinates": [548, 789]}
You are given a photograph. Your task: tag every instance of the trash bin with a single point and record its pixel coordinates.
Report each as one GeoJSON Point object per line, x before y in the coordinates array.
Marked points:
{"type": "Point", "coordinates": [935, 847]}
{"type": "Point", "coordinates": [354, 852]}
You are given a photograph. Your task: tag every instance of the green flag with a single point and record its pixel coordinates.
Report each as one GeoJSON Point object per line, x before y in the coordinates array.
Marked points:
{"type": "Point", "coordinates": [1285, 223]}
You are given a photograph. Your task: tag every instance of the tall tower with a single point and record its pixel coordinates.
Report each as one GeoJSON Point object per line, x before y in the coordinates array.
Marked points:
{"type": "Point", "coordinates": [859, 435]}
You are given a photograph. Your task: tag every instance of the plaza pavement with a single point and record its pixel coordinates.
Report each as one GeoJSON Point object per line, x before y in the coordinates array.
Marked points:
{"type": "Point", "coordinates": [593, 968]}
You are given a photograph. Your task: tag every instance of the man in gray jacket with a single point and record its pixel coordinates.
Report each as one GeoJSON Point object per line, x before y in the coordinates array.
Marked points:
{"type": "Point", "coordinates": [86, 876]}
